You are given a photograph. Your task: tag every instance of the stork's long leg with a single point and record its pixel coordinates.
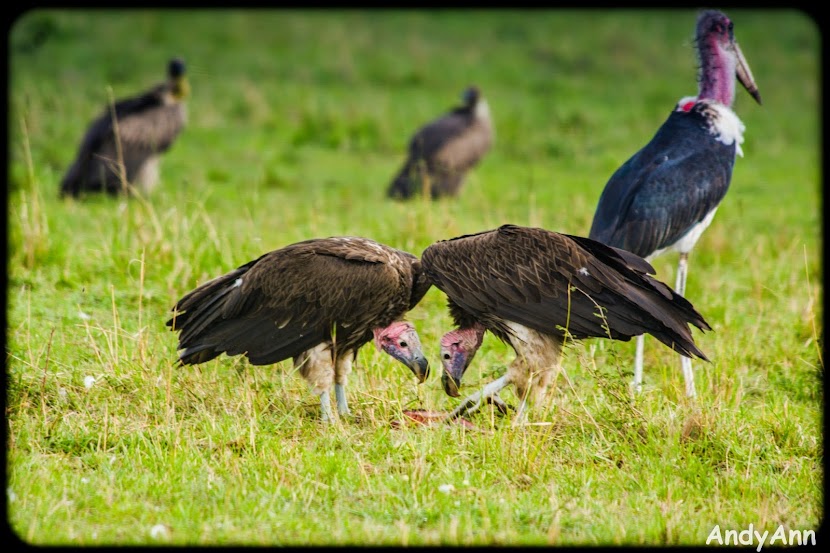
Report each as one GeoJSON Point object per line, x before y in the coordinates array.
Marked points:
{"type": "Point", "coordinates": [472, 403]}
{"type": "Point", "coordinates": [682, 270]}
{"type": "Point", "coordinates": [340, 396]}
{"type": "Point", "coordinates": [638, 364]}
{"type": "Point", "coordinates": [680, 288]}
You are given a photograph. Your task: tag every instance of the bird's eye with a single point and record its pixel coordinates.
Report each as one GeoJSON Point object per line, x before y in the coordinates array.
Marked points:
{"type": "Point", "coordinates": [731, 26]}
{"type": "Point", "coordinates": [446, 356]}
{"type": "Point", "coordinates": [402, 344]}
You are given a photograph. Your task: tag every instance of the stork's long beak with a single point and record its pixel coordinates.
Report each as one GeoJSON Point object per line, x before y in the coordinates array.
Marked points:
{"type": "Point", "coordinates": [745, 75]}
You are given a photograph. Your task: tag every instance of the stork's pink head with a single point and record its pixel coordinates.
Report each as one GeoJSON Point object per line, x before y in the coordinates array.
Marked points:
{"type": "Point", "coordinates": [458, 347]}
{"type": "Point", "coordinates": [721, 59]}
{"type": "Point", "coordinates": [401, 341]}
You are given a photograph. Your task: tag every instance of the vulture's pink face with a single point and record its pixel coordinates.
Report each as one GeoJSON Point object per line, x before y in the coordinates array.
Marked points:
{"type": "Point", "coordinates": [458, 347]}
{"type": "Point", "coordinates": [401, 341]}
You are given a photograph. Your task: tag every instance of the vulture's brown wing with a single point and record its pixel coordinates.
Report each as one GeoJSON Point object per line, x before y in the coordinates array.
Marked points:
{"type": "Point", "coordinates": [152, 130]}
{"type": "Point", "coordinates": [550, 282]}
{"type": "Point", "coordinates": [145, 126]}
{"type": "Point", "coordinates": [433, 137]}
{"type": "Point", "coordinates": [292, 299]}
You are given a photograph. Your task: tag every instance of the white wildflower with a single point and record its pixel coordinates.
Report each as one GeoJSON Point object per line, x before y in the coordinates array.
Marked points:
{"type": "Point", "coordinates": [446, 488]}
{"type": "Point", "coordinates": [159, 531]}
{"type": "Point", "coordinates": [84, 316]}
{"type": "Point", "coordinates": [89, 381]}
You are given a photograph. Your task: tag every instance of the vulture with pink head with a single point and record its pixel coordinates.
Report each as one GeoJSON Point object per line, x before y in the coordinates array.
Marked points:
{"type": "Point", "coordinates": [533, 289]}
{"type": "Point", "coordinates": [316, 301]}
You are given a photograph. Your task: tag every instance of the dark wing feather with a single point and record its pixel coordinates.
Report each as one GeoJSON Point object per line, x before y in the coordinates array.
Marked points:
{"type": "Point", "coordinates": [292, 299]}
{"type": "Point", "coordinates": [145, 125]}
{"type": "Point", "coordinates": [666, 188]}
{"type": "Point", "coordinates": [439, 148]}
{"type": "Point", "coordinates": [549, 282]}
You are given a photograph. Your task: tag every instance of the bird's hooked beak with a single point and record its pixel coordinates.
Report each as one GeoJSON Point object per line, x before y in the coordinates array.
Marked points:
{"type": "Point", "coordinates": [181, 87]}
{"type": "Point", "coordinates": [405, 346]}
{"type": "Point", "coordinates": [177, 73]}
{"type": "Point", "coordinates": [745, 75]}
{"type": "Point", "coordinates": [455, 362]}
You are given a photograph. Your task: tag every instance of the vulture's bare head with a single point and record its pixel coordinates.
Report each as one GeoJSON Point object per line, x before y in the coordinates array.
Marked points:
{"type": "Point", "coordinates": [458, 347]}
{"type": "Point", "coordinates": [401, 341]}
{"type": "Point", "coordinates": [470, 96]}
{"type": "Point", "coordinates": [176, 74]}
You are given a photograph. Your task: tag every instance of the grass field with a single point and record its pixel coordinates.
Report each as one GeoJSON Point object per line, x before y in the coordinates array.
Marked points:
{"type": "Point", "coordinates": [298, 120]}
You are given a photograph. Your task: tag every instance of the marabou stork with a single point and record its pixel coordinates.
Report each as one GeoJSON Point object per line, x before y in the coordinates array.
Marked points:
{"type": "Point", "coordinates": [665, 195]}
{"type": "Point", "coordinates": [444, 150]}
{"type": "Point", "coordinates": [533, 289]}
{"type": "Point", "coordinates": [122, 147]}
{"type": "Point", "coordinates": [317, 301]}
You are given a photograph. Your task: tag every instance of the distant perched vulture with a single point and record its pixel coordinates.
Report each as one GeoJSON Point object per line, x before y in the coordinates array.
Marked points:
{"type": "Point", "coordinates": [317, 301]}
{"type": "Point", "coordinates": [534, 288]}
{"type": "Point", "coordinates": [444, 150]}
{"type": "Point", "coordinates": [665, 195]}
{"type": "Point", "coordinates": [125, 151]}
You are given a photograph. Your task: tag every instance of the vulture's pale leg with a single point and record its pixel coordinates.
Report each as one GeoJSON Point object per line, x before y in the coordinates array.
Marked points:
{"type": "Point", "coordinates": [680, 288]}
{"type": "Point", "coordinates": [472, 403]}
{"type": "Point", "coordinates": [499, 403]}
{"type": "Point", "coordinates": [340, 396]}
{"type": "Point", "coordinates": [325, 406]}
{"type": "Point", "coordinates": [521, 413]}
{"type": "Point", "coordinates": [638, 364]}
{"type": "Point", "coordinates": [342, 368]}
{"type": "Point", "coordinates": [315, 365]}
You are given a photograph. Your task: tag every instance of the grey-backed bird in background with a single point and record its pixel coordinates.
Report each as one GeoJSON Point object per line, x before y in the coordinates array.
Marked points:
{"type": "Point", "coordinates": [444, 150]}
{"type": "Point", "coordinates": [665, 195]}
{"type": "Point", "coordinates": [121, 148]}
{"type": "Point", "coordinates": [316, 301]}
{"type": "Point", "coordinates": [534, 289]}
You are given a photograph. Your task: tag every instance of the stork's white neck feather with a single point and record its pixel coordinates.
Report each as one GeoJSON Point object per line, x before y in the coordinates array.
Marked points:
{"type": "Point", "coordinates": [724, 125]}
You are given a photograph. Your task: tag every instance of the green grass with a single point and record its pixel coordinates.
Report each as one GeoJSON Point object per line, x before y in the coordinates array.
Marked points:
{"type": "Point", "coordinates": [298, 121]}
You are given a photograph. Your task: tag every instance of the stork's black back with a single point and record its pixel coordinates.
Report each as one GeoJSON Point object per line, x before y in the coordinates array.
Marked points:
{"type": "Point", "coordinates": [666, 188]}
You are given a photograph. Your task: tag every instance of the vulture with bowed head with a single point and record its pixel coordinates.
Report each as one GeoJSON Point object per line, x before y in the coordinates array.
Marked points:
{"type": "Point", "coordinates": [316, 301]}
{"type": "Point", "coordinates": [533, 289]}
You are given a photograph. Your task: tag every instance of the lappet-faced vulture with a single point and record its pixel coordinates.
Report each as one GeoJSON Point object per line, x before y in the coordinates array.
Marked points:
{"type": "Point", "coordinates": [122, 147]}
{"type": "Point", "coordinates": [534, 289]}
{"type": "Point", "coordinates": [665, 195]}
{"type": "Point", "coordinates": [444, 150]}
{"type": "Point", "coordinates": [316, 301]}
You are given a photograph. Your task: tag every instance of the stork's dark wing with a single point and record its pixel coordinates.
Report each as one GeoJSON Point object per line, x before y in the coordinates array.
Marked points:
{"type": "Point", "coordinates": [292, 299]}
{"type": "Point", "coordinates": [551, 282]}
{"type": "Point", "coordinates": [666, 188]}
